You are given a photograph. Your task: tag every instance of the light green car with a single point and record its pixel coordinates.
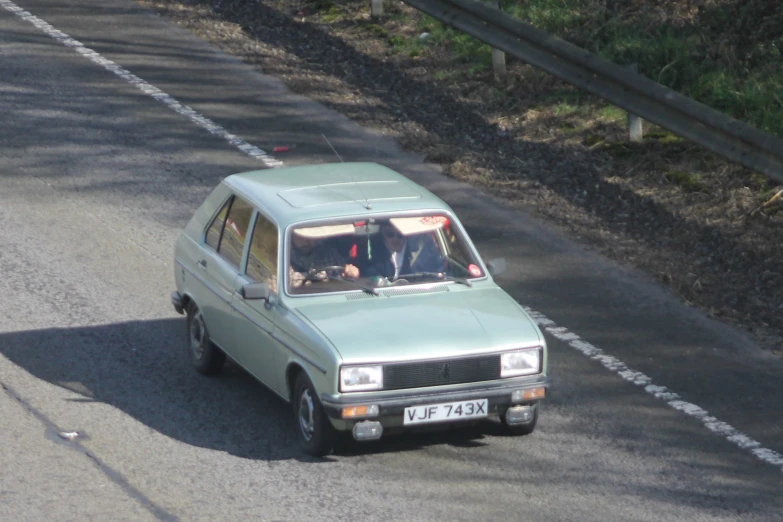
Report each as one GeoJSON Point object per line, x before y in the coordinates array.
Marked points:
{"type": "Point", "coordinates": [357, 296]}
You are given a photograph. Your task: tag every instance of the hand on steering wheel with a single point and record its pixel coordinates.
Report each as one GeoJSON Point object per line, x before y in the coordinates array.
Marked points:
{"type": "Point", "coordinates": [346, 271]}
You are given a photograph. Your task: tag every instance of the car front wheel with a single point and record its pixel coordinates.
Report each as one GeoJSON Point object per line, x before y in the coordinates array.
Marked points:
{"type": "Point", "coordinates": [207, 358]}
{"type": "Point", "coordinates": [315, 433]}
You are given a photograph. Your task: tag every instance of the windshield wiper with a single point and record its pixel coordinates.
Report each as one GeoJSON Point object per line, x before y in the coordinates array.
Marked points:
{"type": "Point", "coordinates": [438, 275]}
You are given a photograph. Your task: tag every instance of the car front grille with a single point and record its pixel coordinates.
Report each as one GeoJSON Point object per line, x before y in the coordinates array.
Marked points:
{"type": "Point", "coordinates": [441, 372]}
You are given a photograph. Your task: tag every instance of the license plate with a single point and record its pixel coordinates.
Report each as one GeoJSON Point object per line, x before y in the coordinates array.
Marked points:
{"type": "Point", "coordinates": [448, 411]}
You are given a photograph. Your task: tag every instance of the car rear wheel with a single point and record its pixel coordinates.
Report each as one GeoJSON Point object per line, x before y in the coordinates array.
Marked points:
{"type": "Point", "coordinates": [207, 358]}
{"type": "Point", "coordinates": [522, 429]}
{"type": "Point", "coordinates": [314, 430]}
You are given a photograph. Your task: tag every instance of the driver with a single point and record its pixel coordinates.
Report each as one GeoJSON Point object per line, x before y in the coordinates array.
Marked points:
{"type": "Point", "coordinates": [311, 254]}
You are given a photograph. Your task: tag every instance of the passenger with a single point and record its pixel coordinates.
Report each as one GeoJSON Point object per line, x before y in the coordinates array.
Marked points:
{"type": "Point", "coordinates": [400, 256]}
{"type": "Point", "coordinates": [309, 256]}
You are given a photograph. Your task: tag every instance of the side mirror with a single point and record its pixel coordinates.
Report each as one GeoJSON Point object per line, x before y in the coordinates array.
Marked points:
{"type": "Point", "coordinates": [496, 266]}
{"type": "Point", "coordinates": [256, 291]}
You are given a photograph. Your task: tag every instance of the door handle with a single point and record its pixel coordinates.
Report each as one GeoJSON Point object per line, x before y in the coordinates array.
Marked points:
{"type": "Point", "coordinates": [202, 264]}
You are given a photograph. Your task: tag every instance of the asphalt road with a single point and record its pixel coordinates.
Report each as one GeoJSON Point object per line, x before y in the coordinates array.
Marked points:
{"type": "Point", "coordinates": [96, 179]}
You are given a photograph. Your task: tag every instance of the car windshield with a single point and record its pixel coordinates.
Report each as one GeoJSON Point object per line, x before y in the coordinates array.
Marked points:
{"type": "Point", "coordinates": [375, 253]}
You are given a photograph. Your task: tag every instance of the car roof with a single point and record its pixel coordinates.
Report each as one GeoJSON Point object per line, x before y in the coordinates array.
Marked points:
{"type": "Point", "coordinates": [294, 194]}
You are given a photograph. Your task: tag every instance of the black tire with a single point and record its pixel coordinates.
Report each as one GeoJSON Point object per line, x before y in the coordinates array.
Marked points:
{"type": "Point", "coordinates": [522, 429]}
{"type": "Point", "coordinates": [314, 430]}
{"type": "Point", "coordinates": [207, 358]}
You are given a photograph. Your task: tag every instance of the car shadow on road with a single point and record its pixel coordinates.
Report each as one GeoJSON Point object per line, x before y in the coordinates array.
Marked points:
{"type": "Point", "coordinates": [140, 368]}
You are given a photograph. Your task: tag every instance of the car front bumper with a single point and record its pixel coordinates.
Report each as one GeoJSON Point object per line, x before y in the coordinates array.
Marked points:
{"type": "Point", "coordinates": [391, 407]}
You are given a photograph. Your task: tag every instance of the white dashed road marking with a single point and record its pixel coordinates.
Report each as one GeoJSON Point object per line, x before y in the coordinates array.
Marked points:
{"type": "Point", "coordinates": [610, 362]}
{"type": "Point", "coordinates": [660, 392]}
{"type": "Point", "coordinates": [145, 87]}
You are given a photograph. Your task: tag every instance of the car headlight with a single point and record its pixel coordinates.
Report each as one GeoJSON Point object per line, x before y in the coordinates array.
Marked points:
{"type": "Point", "coordinates": [521, 362]}
{"type": "Point", "coordinates": [361, 378]}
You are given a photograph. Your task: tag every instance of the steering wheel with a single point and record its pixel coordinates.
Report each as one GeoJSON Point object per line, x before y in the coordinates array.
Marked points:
{"type": "Point", "coordinates": [329, 268]}
{"type": "Point", "coordinates": [312, 276]}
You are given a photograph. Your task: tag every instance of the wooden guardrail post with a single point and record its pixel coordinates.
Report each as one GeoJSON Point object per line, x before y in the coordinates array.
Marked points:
{"type": "Point", "coordinates": [635, 129]}
{"type": "Point", "coordinates": [376, 8]}
{"type": "Point", "coordinates": [498, 63]}
{"type": "Point", "coordinates": [499, 57]}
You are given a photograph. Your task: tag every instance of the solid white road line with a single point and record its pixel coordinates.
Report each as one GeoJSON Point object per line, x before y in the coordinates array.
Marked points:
{"type": "Point", "coordinates": [145, 87]}
{"type": "Point", "coordinates": [610, 362]}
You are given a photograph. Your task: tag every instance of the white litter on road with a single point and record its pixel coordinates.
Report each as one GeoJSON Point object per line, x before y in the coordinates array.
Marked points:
{"type": "Point", "coordinates": [610, 362]}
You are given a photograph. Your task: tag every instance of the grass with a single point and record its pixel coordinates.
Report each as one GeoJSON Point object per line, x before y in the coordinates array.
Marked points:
{"type": "Point", "coordinates": [446, 74]}
{"type": "Point", "coordinates": [728, 56]}
{"type": "Point", "coordinates": [333, 14]}
{"type": "Point", "coordinates": [376, 30]}
{"type": "Point", "coordinates": [618, 149]}
{"type": "Point", "coordinates": [762, 183]}
{"type": "Point", "coordinates": [612, 113]}
{"type": "Point", "coordinates": [465, 47]}
{"type": "Point", "coordinates": [565, 109]}
{"type": "Point", "coordinates": [401, 44]}
{"type": "Point", "coordinates": [688, 181]}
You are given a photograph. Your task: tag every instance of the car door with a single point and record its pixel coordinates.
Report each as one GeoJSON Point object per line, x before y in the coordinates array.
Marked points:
{"type": "Point", "coordinates": [257, 349]}
{"type": "Point", "coordinates": [220, 264]}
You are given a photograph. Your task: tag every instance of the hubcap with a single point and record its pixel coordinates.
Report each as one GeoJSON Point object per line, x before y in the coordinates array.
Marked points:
{"type": "Point", "coordinates": [306, 422]}
{"type": "Point", "coordinates": [197, 336]}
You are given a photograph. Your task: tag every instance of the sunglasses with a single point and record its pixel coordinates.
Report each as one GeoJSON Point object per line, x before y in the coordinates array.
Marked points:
{"type": "Point", "coordinates": [390, 233]}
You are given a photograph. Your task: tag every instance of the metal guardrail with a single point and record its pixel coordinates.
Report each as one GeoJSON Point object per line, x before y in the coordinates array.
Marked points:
{"type": "Point", "coordinates": [723, 135]}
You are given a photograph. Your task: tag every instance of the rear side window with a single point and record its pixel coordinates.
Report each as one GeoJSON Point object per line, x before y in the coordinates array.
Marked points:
{"type": "Point", "coordinates": [227, 232]}
{"type": "Point", "coordinates": [232, 241]}
{"type": "Point", "coordinates": [262, 258]}
{"type": "Point", "coordinates": [216, 228]}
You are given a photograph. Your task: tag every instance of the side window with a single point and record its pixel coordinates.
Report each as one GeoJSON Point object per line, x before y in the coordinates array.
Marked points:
{"type": "Point", "coordinates": [234, 232]}
{"type": "Point", "coordinates": [216, 228]}
{"type": "Point", "coordinates": [262, 258]}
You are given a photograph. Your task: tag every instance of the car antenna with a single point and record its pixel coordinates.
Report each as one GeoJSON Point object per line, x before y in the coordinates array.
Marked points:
{"type": "Point", "coordinates": [332, 146]}
{"type": "Point", "coordinates": [366, 201]}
